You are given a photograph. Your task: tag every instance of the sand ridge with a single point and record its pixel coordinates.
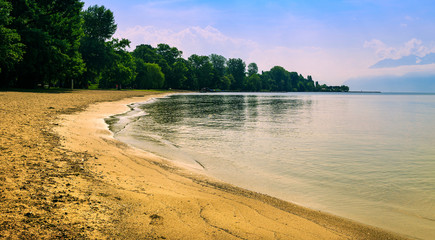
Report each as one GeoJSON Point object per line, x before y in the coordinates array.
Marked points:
{"type": "Point", "coordinates": [98, 188]}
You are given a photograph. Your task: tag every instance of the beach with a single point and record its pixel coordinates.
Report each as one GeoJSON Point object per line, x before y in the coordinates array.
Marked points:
{"type": "Point", "coordinates": [63, 175]}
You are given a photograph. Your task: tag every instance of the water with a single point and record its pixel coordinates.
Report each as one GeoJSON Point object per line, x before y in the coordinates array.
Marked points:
{"type": "Point", "coordinates": [367, 157]}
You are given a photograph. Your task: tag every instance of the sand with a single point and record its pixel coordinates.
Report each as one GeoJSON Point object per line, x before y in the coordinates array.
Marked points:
{"type": "Point", "coordinates": [63, 175]}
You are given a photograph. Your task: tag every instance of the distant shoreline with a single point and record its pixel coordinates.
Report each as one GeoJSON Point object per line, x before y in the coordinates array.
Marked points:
{"type": "Point", "coordinates": [364, 91]}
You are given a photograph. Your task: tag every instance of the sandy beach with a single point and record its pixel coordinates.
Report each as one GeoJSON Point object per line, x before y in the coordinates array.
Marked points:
{"type": "Point", "coordinates": [62, 175]}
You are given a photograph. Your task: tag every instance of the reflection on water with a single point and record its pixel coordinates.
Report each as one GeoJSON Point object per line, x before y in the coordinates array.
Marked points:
{"type": "Point", "coordinates": [365, 157]}
{"type": "Point", "coordinates": [219, 111]}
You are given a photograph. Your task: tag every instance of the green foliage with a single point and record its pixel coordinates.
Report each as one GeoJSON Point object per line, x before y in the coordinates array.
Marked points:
{"type": "Point", "coordinates": [226, 82]}
{"type": "Point", "coordinates": [98, 26]}
{"type": "Point", "coordinates": [236, 67]}
{"type": "Point", "coordinates": [169, 59]}
{"type": "Point", "coordinates": [179, 71]}
{"type": "Point", "coordinates": [279, 79]}
{"type": "Point", "coordinates": [52, 42]}
{"type": "Point", "coordinates": [252, 69]}
{"type": "Point", "coordinates": [169, 54]}
{"type": "Point", "coordinates": [166, 57]}
{"type": "Point", "coordinates": [99, 23]}
{"type": "Point", "coordinates": [93, 86]}
{"type": "Point", "coordinates": [11, 50]}
{"type": "Point", "coordinates": [219, 67]}
{"type": "Point", "coordinates": [201, 70]}
{"type": "Point", "coordinates": [147, 53]}
{"type": "Point", "coordinates": [253, 83]}
{"type": "Point", "coordinates": [121, 70]}
{"type": "Point", "coordinates": [149, 75]}
{"type": "Point", "coordinates": [50, 30]}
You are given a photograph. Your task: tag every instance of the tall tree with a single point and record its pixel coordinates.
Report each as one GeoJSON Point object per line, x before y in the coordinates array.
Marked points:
{"type": "Point", "coordinates": [11, 50]}
{"type": "Point", "coordinates": [50, 31]}
{"type": "Point", "coordinates": [219, 63]}
{"type": "Point", "coordinates": [146, 53]}
{"type": "Point", "coordinates": [252, 69]}
{"type": "Point", "coordinates": [122, 69]}
{"type": "Point", "coordinates": [98, 26]}
{"type": "Point", "coordinates": [99, 23]}
{"type": "Point", "coordinates": [180, 71]}
{"type": "Point", "coordinates": [253, 83]}
{"type": "Point", "coordinates": [202, 71]}
{"type": "Point", "coordinates": [219, 67]}
{"type": "Point", "coordinates": [236, 67]}
{"type": "Point", "coordinates": [170, 54]}
{"type": "Point", "coordinates": [149, 75]}
{"type": "Point", "coordinates": [279, 79]}
{"type": "Point", "coordinates": [310, 84]}
{"type": "Point", "coordinates": [168, 57]}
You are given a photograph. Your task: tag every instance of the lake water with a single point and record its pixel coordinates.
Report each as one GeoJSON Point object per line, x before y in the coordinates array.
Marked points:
{"type": "Point", "coordinates": [367, 157]}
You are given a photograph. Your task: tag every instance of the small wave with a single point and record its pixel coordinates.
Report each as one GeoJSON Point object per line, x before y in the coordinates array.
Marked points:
{"type": "Point", "coordinates": [119, 122]}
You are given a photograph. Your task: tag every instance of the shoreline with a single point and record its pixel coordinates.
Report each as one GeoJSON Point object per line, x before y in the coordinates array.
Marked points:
{"type": "Point", "coordinates": [128, 193]}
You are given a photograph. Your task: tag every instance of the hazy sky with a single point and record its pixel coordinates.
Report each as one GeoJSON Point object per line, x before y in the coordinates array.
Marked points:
{"type": "Point", "coordinates": [332, 40]}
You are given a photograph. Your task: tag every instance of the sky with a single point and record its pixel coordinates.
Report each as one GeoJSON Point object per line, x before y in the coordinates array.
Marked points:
{"type": "Point", "coordinates": [331, 40]}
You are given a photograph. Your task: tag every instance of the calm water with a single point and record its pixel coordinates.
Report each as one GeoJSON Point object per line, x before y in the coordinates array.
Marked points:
{"type": "Point", "coordinates": [368, 157]}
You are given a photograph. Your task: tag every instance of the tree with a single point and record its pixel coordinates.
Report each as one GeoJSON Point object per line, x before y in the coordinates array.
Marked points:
{"type": "Point", "coordinates": [98, 26]}
{"type": "Point", "coordinates": [180, 71]}
{"type": "Point", "coordinates": [344, 88]}
{"type": "Point", "coordinates": [55, 42]}
{"type": "Point", "coordinates": [294, 80]}
{"type": "Point", "coordinates": [122, 70]}
{"type": "Point", "coordinates": [11, 50]}
{"type": "Point", "coordinates": [99, 23]}
{"type": "Point", "coordinates": [156, 75]}
{"type": "Point", "coordinates": [252, 69]}
{"type": "Point", "coordinates": [168, 57]}
{"type": "Point", "coordinates": [147, 53]}
{"type": "Point", "coordinates": [279, 79]}
{"type": "Point", "coordinates": [202, 71]}
{"type": "Point", "coordinates": [50, 31]}
{"type": "Point", "coordinates": [253, 83]}
{"type": "Point", "coordinates": [226, 82]}
{"type": "Point", "coordinates": [236, 67]}
{"type": "Point", "coordinates": [219, 67]}
{"type": "Point", "coordinates": [96, 55]}
{"type": "Point", "coordinates": [149, 75]}
{"type": "Point", "coordinates": [310, 84]}
{"type": "Point", "coordinates": [218, 63]}
{"type": "Point", "coordinates": [170, 54]}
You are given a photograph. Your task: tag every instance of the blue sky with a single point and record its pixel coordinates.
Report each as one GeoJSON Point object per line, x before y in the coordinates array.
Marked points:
{"type": "Point", "coordinates": [331, 40]}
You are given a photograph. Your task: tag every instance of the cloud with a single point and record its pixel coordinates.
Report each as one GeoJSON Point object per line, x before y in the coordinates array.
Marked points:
{"type": "Point", "coordinates": [412, 47]}
{"type": "Point", "coordinates": [330, 66]}
{"type": "Point", "coordinates": [326, 66]}
{"type": "Point", "coordinates": [410, 60]}
{"type": "Point", "coordinates": [191, 40]}
{"type": "Point", "coordinates": [381, 49]}
{"type": "Point", "coordinates": [409, 18]}
{"type": "Point", "coordinates": [413, 52]}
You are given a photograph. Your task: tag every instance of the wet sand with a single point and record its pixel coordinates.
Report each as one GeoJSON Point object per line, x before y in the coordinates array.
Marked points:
{"type": "Point", "coordinates": [62, 175]}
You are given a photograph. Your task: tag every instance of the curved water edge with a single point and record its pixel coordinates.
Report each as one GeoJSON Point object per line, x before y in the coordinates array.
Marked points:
{"type": "Point", "coordinates": [367, 157]}
{"type": "Point", "coordinates": [119, 125]}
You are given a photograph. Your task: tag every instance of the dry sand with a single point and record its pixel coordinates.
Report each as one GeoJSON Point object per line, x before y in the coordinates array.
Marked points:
{"type": "Point", "coordinates": [62, 175]}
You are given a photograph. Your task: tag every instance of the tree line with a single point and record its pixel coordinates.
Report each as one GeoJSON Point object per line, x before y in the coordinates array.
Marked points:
{"type": "Point", "coordinates": [59, 44]}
